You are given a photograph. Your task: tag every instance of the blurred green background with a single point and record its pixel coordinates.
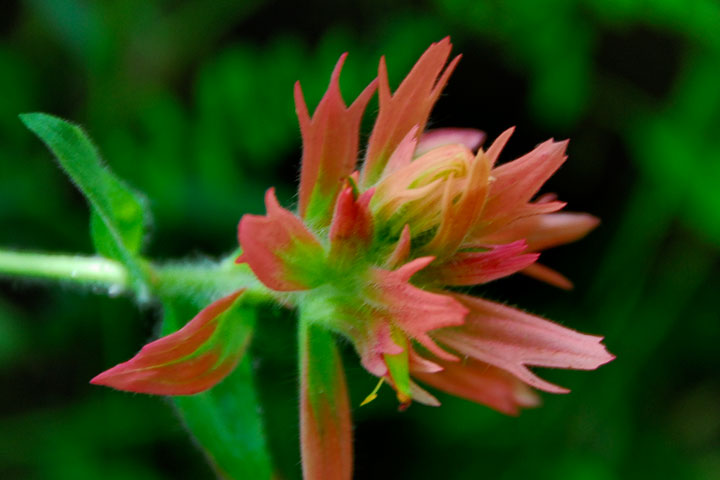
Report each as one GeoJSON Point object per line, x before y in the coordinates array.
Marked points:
{"type": "Point", "coordinates": [191, 102]}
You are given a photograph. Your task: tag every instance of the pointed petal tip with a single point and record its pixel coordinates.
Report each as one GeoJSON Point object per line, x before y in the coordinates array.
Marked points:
{"type": "Point", "coordinates": [527, 398]}
{"type": "Point", "coordinates": [411, 268]}
{"type": "Point", "coordinates": [337, 70]}
{"type": "Point", "coordinates": [270, 198]}
{"type": "Point", "coordinates": [606, 357]}
{"type": "Point", "coordinates": [548, 275]}
{"type": "Point", "coordinates": [101, 379]}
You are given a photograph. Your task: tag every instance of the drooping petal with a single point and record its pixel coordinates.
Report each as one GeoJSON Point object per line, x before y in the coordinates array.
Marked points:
{"type": "Point", "coordinates": [548, 275]}
{"type": "Point", "coordinates": [325, 424]}
{"type": "Point", "coordinates": [421, 395]}
{"type": "Point", "coordinates": [545, 231]}
{"type": "Point", "coordinates": [409, 106]}
{"type": "Point", "coordinates": [418, 363]}
{"type": "Point", "coordinates": [482, 383]}
{"type": "Point", "coordinates": [512, 340]}
{"type": "Point", "coordinates": [191, 360]}
{"type": "Point", "coordinates": [399, 367]}
{"type": "Point", "coordinates": [411, 309]}
{"type": "Point", "coordinates": [330, 146]}
{"type": "Point", "coordinates": [470, 137]}
{"type": "Point", "coordinates": [474, 268]}
{"type": "Point", "coordinates": [279, 249]}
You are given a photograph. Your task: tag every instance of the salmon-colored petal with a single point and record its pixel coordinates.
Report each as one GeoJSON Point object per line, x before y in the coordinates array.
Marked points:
{"type": "Point", "coordinates": [546, 231]}
{"type": "Point", "coordinates": [411, 309]}
{"type": "Point", "coordinates": [330, 146]}
{"type": "Point", "coordinates": [494, 151]}
{"type": "Point", "coordinates": [191, 360]}
{"type": "Point", "coordinates": [418, 363]}
{"type": "Point", "coordinates": [474, 268]}
{"type": "Point", "coordinates": [470, 137]}
{"type": "Point", "coordinates": [403, 154]}
{"type": "Point", "coordinates": [279, 249]}
{"type": "Point", "coordinates": [421, 395]}
{"type": "Point", "coordinates": [548, 275]}
{"type": "Point", "coordinates": [402, 250]}
{"type": "Point", "coordinates": [518, 181]}
{"type": "Point", "coordinates": [512, 340]}
{"type": "Point", "coordinates": [482, 383]}
{"type": "Point", "coordinates": [408, 107]}
{"type": "Point", "coordinates": [325, 423]}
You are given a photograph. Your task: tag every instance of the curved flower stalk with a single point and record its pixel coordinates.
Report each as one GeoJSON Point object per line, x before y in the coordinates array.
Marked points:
{"type": "Point", "coordinates": [373, 255]}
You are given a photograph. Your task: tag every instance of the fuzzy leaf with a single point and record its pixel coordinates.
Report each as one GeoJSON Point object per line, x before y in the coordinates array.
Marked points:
{"type": "Point", "coordinates": [118, 212]}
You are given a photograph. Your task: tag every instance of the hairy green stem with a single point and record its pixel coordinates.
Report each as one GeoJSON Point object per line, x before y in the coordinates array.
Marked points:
{"type": "Point", "coordinates": [207, 281]}
{"type": "Point", "coordinates": [204, 281]}
{"type": "Point", "coordinates": [78, 269]}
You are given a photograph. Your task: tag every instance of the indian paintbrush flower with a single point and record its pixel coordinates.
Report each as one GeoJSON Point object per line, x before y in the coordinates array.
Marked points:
{"type": "Point", "coordinates": [373, 255]}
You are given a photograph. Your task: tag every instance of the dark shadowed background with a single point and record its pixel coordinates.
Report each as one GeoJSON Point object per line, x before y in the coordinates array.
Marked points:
{"type": "Point", "coordinates": [191, 102]}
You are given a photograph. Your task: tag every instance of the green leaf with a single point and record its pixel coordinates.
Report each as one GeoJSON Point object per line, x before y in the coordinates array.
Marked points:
{"type": "Point", "coordinates": [224, 420]}
{"type": "Point", "coordinates": [118, 213]}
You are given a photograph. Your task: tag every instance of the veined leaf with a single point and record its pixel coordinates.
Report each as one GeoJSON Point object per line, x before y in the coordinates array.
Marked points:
{"type": "Point", "coordinates": [118, 213]}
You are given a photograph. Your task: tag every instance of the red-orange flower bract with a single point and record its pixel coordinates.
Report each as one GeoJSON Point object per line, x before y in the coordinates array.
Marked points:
{"type": "Point", "coordinates": [372, 251]}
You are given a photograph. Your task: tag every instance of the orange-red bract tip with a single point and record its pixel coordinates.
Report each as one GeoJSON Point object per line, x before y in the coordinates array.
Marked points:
{"type": "Point", "coordinates": [351, 229]}
{"type": "Point", "coordinates": [183, 363]}
{"type": "Point", "coordinates": [410, 105]}
{"type": "Point", "coordinates": [279, 248]}
{"type": "Point", "coordinates": [330, 145]}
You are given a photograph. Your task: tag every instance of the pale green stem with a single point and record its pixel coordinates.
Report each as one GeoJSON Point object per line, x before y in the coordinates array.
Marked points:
{"type": "Point", "coordinates": [79, 269]}
{"type": "Point", "coordinates": [205, 281]}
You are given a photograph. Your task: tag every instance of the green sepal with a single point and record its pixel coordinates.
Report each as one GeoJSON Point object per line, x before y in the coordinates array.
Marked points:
{"type": "Point", "coordinates": [399, 368]}
{"type": "Point", "coordinates": [320, 209]}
